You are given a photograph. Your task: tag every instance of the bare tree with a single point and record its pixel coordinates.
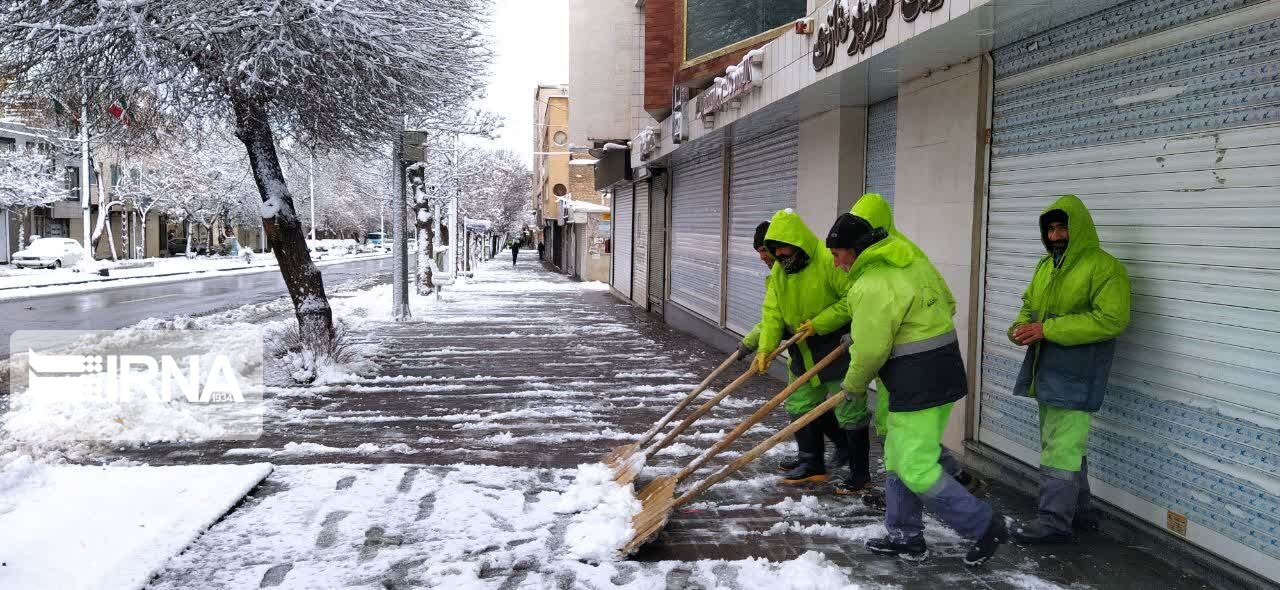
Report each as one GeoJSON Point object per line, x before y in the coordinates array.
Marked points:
{"type": "Point", "coordinates": [336, 72]}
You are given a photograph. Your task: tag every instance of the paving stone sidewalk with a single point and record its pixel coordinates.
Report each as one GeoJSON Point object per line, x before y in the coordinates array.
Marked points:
{"type": "Point", "coordinates": [524, 368]}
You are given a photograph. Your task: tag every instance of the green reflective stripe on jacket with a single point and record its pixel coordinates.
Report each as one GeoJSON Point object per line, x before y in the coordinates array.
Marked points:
{"type": "Point", "coordinates": [896, 297]}
{"type": "Point", "coordinates": [792, 299]}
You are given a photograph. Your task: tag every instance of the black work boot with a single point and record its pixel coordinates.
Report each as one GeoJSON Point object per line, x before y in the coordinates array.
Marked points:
{"type": "Point", "coordinates": [1059, 498]}
{"type": "Point", "coordinates": [859, 443]}
{"type": "Point", "coordinates": [913, 550]}
{"type": "Point", "coordinates": [812, 468]}
{"type": "Point", "coordinates": [831, 430]}
{"type": "Point", "coordinates": [985, 547]}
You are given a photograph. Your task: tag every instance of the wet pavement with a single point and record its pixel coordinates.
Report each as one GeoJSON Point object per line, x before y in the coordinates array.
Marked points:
{"type": "Point", "coordinates": [117, 307]}
{"type": "Point", "coordinates": [524, 368]}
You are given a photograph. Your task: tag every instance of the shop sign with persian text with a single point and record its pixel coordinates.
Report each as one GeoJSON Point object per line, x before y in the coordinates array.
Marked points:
{"type": "Point", "coordinates": [861, 23]}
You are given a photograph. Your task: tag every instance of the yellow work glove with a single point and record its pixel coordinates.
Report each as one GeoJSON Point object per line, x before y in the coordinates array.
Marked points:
{"type": "Point", "coordinates": [806, 329]}
{"type": "Point", "coordinates": [761, 363]}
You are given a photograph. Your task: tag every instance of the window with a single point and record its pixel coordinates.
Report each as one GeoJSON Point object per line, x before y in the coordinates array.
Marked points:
{"type": "Point", "coordinates": [8, 144]}
{"type": "Point", "coordinates": [713, 25]}
{"type": "Point", "coordinates": [560, 138]}
{"type": "Point", "coordinates": [115, 175]}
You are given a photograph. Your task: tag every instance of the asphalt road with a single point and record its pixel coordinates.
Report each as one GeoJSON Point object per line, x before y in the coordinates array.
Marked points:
{"type": "Point", "coordinates": [119, 307]}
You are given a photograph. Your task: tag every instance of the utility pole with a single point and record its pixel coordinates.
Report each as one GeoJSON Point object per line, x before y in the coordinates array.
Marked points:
{"type": "Point", "coordinates": [456, 230]}
{"type": "Point", "coordinates": [400, 229]}
{"type": "Point", "coordinates": [84, 177]}
{"type": "Point", "coordinates": [311, 184]}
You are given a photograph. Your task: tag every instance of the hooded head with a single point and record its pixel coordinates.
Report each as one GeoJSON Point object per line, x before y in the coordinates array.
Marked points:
{"type": "Point", "coordinates": [790, 241]}
{"type": "Point", "coordinates": [1068, 210]}
{"type": "Point", "coordinates": [757, 244]}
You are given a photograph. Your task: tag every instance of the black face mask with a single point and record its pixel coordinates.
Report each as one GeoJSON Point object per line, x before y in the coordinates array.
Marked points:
{"type": "Point", "coordinates": [795, 262]}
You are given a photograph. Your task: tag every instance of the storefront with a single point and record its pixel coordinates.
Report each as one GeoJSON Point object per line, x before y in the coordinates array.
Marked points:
{"type": "Point", "coordinates": [762, 181]}
{"type": "Point", "coordinates": [697, 198]}
{"type": "Point", "coordinates": [1162, 116]}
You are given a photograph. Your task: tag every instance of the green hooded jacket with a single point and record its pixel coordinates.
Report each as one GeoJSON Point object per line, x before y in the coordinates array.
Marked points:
{"type": "Point", "coordinates": [1083, 303]}
{"type": "Point", "coordinates": [901, 323]}
{"type": "Point", "coordinates": [792, 299]}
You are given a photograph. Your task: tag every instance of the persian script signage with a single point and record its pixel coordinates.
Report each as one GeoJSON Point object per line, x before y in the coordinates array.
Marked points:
{"type": "Point", "coordinates": [737, 81]}
{"type": "Point", "coordinates": [866, 23]}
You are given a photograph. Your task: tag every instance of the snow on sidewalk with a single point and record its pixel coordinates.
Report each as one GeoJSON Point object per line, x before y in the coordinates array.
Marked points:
{"type": "Point", "coordinates": [460, 526]}
{"type": "Point", "coordinates": [81, 527]}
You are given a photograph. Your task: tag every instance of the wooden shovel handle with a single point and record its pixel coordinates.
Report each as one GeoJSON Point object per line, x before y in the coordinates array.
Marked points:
{"type": "Point", "coordinates": [759, 449]}
{"type": "Point", "coordinates": [711, 403]}
{"type": "Point", "coordinates": [760, 414]}
{"type": "Point", "coordinates": [684, 403]}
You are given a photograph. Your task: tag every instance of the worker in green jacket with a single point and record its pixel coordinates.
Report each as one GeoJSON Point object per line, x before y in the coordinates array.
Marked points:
{"type": "Point", "coordinates": [876, 210]}
{"type": "Point", "coordinates": [802, 287]}
{"type": "Point", "coordinates": [827, 424]}
{"type": "Point", "coordinates": [902, 334]}
{"type": "Point", "coordinates": [1072, 312]}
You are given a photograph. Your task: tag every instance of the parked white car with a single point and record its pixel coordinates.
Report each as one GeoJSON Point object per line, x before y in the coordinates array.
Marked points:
{"type": "Point", "coordinates": [49, 253]}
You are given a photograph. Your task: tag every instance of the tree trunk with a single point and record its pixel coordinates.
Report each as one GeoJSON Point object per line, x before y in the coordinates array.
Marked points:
{"type": "Point", "coordinates": [422, 220]}
{"type": "Point", "coordinates": [190, 229]}
{"type": "Point", "coordinates": [283, 230]}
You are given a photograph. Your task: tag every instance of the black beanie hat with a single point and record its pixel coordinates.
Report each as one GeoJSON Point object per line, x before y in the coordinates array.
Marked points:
{"type": "Point", "coordinates": [853, 232]}
{"type": "Point", "coordinates": [757, 241]}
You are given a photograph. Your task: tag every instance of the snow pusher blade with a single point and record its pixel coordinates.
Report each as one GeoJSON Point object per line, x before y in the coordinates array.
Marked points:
{"type": "Point", "coordinates": [657, 505]}
{"type": "Point", "coordinates": [628, 465]}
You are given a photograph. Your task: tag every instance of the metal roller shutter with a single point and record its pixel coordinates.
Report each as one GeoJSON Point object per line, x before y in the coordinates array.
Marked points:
{"type": "Point", "coordinates": [695, 235]}
{"type": "Point", "coordinates": [882, 148]}
{"type": "Point", "coordinates": [657, 240]}
{"type": "Point", "coordinates": [762, 180]}
{"type": "Point", "coordinates": [640, 247]}
{"type": "Point", "coordinates": [1170, 135]}
{"type": "Point", "coordinates": [622, 216]}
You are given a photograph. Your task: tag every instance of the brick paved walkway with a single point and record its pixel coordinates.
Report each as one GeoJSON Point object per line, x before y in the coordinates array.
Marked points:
{"type": "Point", "coordinates": [525, 368]}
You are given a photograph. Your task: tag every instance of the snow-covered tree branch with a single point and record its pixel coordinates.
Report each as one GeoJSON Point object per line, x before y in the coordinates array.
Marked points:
{"type": "Point", "coordinates": [336, 72]}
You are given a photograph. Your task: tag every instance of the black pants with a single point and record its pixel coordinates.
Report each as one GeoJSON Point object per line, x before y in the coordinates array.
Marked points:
{"type": "Point", "coordinates": [514, 254]}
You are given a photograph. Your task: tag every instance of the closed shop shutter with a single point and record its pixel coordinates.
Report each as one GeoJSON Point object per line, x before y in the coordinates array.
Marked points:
{"type": "Point", "coordinates": [882, 147]}
{"type": "Point", "coordinates": [1163, 117]}
{"type": "Point", "coordinates": [640, 247]}
{"type": "Point", "coordinates": [762, 180]}
{"type": "Point", "coordinates": [623, 202]}
{"type": "Point", "coordinates": [657, 240]}
{"type": "Point", "coordinates": [695, 235]}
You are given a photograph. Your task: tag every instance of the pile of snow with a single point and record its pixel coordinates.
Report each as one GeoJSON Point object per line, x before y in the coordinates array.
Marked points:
{"type": "Point", "coordinates": [603, 509]}
{"type": "Point", "coordinates": [117, 525]}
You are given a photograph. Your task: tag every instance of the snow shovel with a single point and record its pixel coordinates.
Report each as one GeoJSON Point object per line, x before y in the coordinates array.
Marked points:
{"type": "Point", "coordinates": [658, 499]}
{"type": "Point", "coordinates": [760, 414]}
{"type": "Point", "coordinates": [627, 461]}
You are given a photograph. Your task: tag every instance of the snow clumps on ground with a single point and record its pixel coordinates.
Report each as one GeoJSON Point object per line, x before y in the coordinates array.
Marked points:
{"type": "Point", "coordinates": [601, 523]}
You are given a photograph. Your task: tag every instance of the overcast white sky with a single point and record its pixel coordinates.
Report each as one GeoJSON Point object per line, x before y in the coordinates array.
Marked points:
{"type": "Point", "coordinates": [531, 40]}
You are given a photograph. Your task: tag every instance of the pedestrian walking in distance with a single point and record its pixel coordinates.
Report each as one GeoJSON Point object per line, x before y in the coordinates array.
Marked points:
{"type": "Point", "coordinates": [1072, 312]}
{"type": "Point", "coordinates": [515, 252]}
{"type": "Point", "coordinates": [902, 333]}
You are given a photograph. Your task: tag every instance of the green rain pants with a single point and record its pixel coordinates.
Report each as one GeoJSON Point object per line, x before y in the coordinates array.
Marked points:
{"type": "Point", "coordinates": [1063, 435]}
{"type": "Point", "coordinates": [914, 444]}
{"type": "Point", "coordinates": [808, 396]}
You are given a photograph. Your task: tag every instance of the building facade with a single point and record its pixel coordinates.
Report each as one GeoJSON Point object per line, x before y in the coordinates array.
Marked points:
{"type": "Point", "coordinates": [970, 117]}
{"type": "Point", "coordinates": [569, 211]}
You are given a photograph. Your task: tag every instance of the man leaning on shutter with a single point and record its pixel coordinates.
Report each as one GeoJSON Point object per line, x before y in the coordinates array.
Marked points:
{"type": "Point", "coordinates": [1072, 312]}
